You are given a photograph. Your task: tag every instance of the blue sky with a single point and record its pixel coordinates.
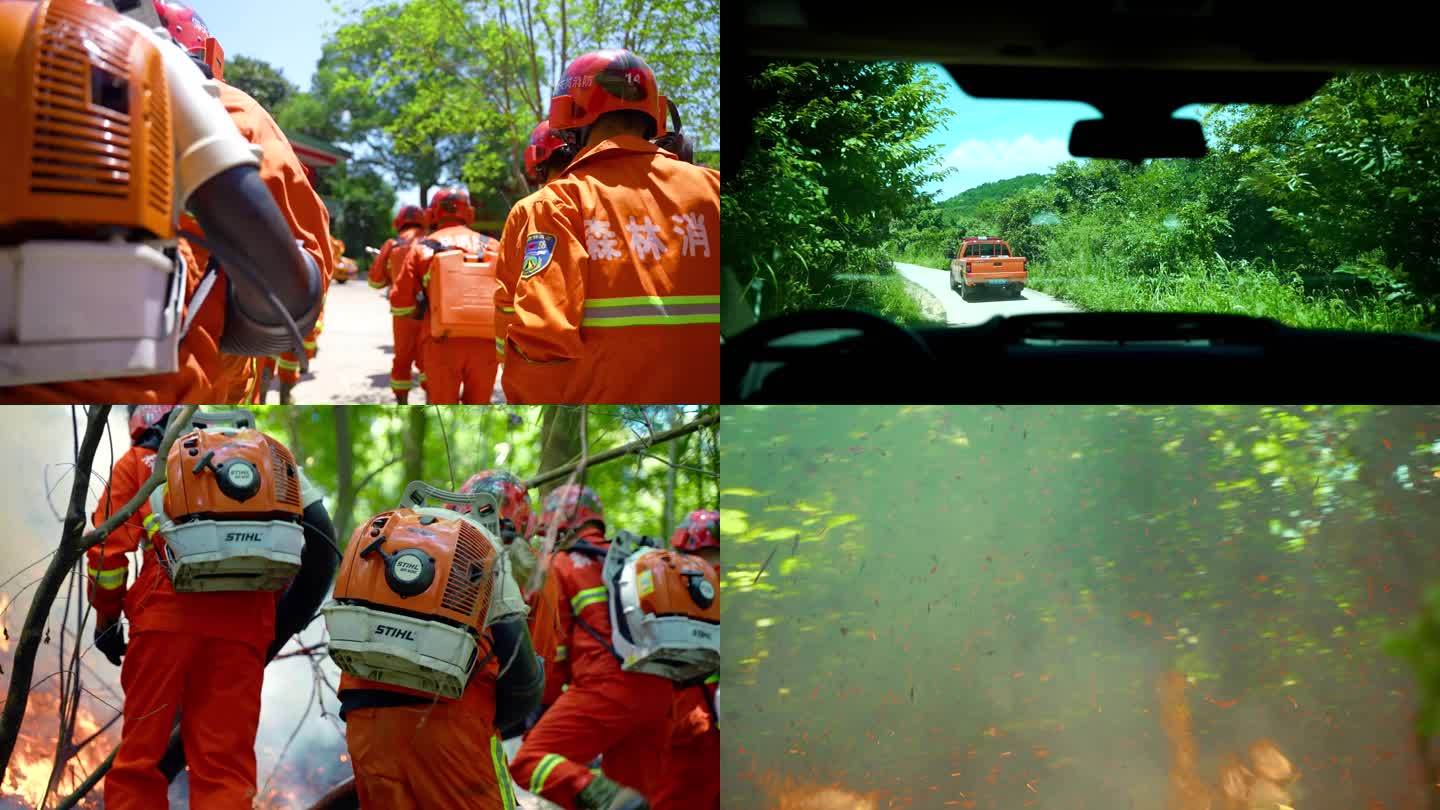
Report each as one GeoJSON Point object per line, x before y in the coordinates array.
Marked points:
{"type": "Point", "coordinates": [992, 139]}
{"type": "Point", "coordinates": [288, 35]}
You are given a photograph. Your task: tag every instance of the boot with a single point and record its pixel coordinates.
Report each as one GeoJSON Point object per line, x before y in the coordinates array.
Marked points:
{"type": "Point", "coordinates": [285, 393]}
{"type": "Point", "coordinates": [604, 793]}
{"type": "Point", "coordinates": [402, 397]}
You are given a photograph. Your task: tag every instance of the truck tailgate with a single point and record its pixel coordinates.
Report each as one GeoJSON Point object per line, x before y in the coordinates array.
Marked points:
{"type": "Point", "coordinates": [1003, 268]}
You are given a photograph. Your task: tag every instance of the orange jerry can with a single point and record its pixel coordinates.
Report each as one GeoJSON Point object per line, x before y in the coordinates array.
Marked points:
{"type": "Point", "coordinates": [462, 292]}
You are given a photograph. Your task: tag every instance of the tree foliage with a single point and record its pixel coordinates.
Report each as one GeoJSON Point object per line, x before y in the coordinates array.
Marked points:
{"type": "Point", "coordinates": [838, 159]}
{"type": "Point", "coordinates": [449, 444]}
{"type": "Point", "coordinates": [1316, 213]}
{"type": "Point", "coordinates": [261, 80]}
{"type": "Point", "coordinates": [448, 91]}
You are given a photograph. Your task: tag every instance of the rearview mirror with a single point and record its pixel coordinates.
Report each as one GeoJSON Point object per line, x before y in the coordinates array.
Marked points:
{"type": "Point", "coordinates": [1136, 139]}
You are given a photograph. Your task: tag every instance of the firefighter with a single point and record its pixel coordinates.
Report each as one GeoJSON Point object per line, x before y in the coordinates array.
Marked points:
{"type": "Point", "coordinates": [457, 369]}
{"type": "Point", "coordinates": [410, 225]}
{"type": "Point", "coordinates": [187, 653]}
{"type": "Point", "coordinates": [692, 779]}
{"type": "Point", "coordinates": [622, 717]}
{"type": "Point", "coordinates": [608, 282]}
{"type": "Point", "coordinates": [222, 313]}
{"type": "Point", "coordinates": [517, 530]}
{"type": "Point", "coordinates": [290, 182]}
{"type": "Point", "coordinates": [413, 750]}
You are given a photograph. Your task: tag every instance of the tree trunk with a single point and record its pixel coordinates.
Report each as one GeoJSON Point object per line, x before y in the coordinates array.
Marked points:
{"type": "Point", "coordinates": [559, 440]}
{"type": "Point", "coordinates": [292, 424]}
{"type": "Point", "coordinates": [414, 439]}
{"type": "Point", "coordinates": [667, 518]}
{"type": "Point", "coordinates": [344, 472]}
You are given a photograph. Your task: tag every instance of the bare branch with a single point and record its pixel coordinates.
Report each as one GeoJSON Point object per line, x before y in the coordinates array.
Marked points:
{"type": "Point", "coordinates": [23, 664]}
{"type": "Point", "coordinates": [626, 449]}
{"type": "Point", "coordinates": [178, 423]}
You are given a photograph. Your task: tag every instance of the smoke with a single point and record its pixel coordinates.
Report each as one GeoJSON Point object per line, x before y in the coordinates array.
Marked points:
{"type": "Point", "coordinates": [979, 626]}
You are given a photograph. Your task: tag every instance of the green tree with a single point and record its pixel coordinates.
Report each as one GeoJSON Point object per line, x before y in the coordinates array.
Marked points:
{"type": "Point", "coordinates": [448, 91]}
{"type": "Point", "coordinates": [263, 81]}
{"type": "Point", "coordinates": [838, 161]}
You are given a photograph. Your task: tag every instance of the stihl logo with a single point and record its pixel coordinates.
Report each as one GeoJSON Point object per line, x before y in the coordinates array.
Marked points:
{"type": "Point", "coordinates": [242, 537]}
{"type": "Point", "coordinates": [703, 635]}
{"type": "Point", "coordinates": [393, 632]}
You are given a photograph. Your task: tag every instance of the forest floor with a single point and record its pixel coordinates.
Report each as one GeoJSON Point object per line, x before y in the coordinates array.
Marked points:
{"type": "Point", "coordinates": [356, 347]}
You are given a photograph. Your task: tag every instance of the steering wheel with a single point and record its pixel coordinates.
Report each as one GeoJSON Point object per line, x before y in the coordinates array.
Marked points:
{"type": "Point", "coordinates": [791, 356]}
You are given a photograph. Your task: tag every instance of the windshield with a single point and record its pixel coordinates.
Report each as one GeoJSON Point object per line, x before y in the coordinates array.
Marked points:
{"type": "Point", "coordinates": [865, 178]}
{"type": "Point", "coordinates": [1081, 607]}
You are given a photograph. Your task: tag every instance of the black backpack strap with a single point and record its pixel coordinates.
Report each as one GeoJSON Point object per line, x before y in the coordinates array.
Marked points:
{"type": "Point", "coordinates": [595, 634]}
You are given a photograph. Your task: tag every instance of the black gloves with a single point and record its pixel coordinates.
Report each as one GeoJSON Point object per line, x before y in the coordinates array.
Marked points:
{"type": "Point", "coordinates": [110, 639]}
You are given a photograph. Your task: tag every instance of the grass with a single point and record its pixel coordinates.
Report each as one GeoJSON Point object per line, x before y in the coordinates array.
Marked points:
{"type": "Point", "coordinates": [890, 297]}
{"type": "Point", "coordinates": [1241, 287]}
{"type": "Point", "coordinates": [924, 259]}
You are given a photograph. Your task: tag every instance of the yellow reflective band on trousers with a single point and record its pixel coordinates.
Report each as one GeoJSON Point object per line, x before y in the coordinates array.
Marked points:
{"type": "Point", "coordinates": [287, 365]}
{"type": "Point", "coordinates": [108, 580]}
{"type": "Point", "coordinates": [587, 597]}
{"type": "Point", "coordinates": [542, 772]}
{"type": "Point", "coordinates": [561, 652]}
{"type": "Point", "coordinates": [651, 310]}
{"type": "Point", "coordinates": [377, 284]}
{"type": "Point", "coordinates": [400, 385]}
{"type": "Point", "coordinates": [502, 772]}
{"type": "Point", "coordinates": [401, 312]}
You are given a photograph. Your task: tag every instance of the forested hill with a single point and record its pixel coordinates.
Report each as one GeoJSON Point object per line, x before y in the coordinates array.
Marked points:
{"type": "Point", "coordinates": [965, 203]}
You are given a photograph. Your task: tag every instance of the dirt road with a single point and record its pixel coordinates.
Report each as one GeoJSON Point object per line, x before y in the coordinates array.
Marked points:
{"type": "Point", "coordinates": [356, 348]}
{"type": "Point", "coordinates": [960, 312]}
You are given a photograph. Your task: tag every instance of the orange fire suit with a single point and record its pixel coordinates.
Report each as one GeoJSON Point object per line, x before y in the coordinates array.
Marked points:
{"type": "Point", "coordinates": [204, 376]}
{"type": "Point", "coordinates": [187, 651]}
{"type": "Point", "coordinates": [692, 777]}
{"type": "Point", "coordinates": [405, 329]}
{"type": "Point", "coordinates": [288, 366]}
{"type": "Point", "coordinates": [546, 635]}
{"type": "Point", "coordinates": [457, 370]}
{"type": "Point", "coordinates": [623, 717]}
{"type": "Point", "coordinates": [439, 753]}
{"type": "Point", "coordinates": [609, 281]}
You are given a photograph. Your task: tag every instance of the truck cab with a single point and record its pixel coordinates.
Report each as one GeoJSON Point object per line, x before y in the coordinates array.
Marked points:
{"type": "Point", "coordinates": [985, 264]}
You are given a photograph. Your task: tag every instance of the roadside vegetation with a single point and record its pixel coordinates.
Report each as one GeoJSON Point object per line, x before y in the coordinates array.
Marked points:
{"type": "Point", "coordinates": [1317, 215]}
{"type": "Point", "coordinates": [837, 164]}
{"type": "Point", "coordinates": [1321, 214]}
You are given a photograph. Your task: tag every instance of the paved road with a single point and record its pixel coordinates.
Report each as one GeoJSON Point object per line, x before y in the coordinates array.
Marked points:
{"type": "Point", "coordinates": [966, 313]}
{"type": "Point", "coordinates": [352, 363]}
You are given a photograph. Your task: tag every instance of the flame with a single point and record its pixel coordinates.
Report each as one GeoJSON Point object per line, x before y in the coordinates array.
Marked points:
{"type": "Point", "coordinates": [29, 770]}
{"type": "Point", "coordinates": [791, 794]}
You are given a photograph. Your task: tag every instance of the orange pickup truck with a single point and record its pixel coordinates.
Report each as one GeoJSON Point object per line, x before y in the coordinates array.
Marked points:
{"type": "Point", "coordinates": [984, 263]}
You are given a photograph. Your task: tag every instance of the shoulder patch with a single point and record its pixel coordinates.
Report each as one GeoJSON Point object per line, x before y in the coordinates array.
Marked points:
{"type": "Point", "coordinates": [539, 247]}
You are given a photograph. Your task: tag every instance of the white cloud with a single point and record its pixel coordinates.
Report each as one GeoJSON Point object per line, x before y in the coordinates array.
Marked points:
{"type": "Point", "coordinates": [982, 161]}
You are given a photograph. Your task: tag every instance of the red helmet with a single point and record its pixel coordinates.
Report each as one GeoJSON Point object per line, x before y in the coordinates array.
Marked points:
{"type": "Point", "coordinates": [451, 203]}
{"type": "Point", "coordinates": [513, 496]}
{"type": "Point", "coordinates": [543, 144]}
{"type": "Point", "coordinates": [144, 417]}
{"type": "Point", "coordinates": [412, 215]}
{"type": "Point", "coordinates": [569, 507]}
{"type": "Point", "coordinates": [184, 25]}
{"type": "Point", "coordinates": [700, 529]}
{"type": "Point", "coordinates": [605, 81]}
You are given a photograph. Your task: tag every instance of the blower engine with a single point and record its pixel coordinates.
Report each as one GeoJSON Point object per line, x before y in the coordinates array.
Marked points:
{"type": "Point", "coordinates": [664, 609]}
{"type": "Point", "coordinates": [416, 590]}
{"type": "Point", "coordinates": [229, 515]}
{"type": "Point", "coordinates": [109, 131]}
